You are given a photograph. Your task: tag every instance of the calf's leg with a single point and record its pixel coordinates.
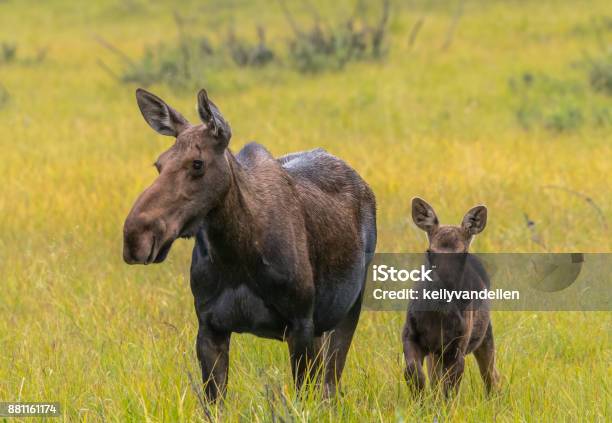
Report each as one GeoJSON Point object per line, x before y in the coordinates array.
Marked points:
{"type": "Point", "coordinates": [212, 349]}
{"type": "Point", "coordinates": [485, 357]}
{"type": "Point", "coordinates": [452, 368]}
{"type": "Point", "coordinates": [434, 367]}
{"type": "Point", "coordinates": [413, 356]}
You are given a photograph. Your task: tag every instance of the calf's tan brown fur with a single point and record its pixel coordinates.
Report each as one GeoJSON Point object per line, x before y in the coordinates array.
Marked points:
{"type": "Point", "coordinates": [445, 333]}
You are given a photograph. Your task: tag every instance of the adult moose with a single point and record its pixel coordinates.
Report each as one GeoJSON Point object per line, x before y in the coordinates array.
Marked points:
{"type": "Point", "coordinates": [282, 245]}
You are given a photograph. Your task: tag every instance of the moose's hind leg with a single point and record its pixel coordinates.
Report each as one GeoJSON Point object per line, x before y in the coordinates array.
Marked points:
{"type": "Point", "coordinates": [335, 347]}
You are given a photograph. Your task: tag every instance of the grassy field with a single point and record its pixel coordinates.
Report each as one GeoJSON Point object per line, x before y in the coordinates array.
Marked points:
{"type": "Point", "coordinates": [113, 342]}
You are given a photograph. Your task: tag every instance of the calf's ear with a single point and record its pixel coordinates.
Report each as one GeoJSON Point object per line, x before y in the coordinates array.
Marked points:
{"type": "Point", "coordinates": [161, 117]}
{"type": "Point", "coordinates": [475, 220]}
{"type": "Point", "coordinates": [424, 215]}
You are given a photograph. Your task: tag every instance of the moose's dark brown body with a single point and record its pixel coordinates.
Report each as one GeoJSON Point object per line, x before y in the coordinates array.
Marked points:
{"type": "Point", "coordinates": [285, 258]}
{"type": "Point", "coordinates": [282, 245]}
{"type": "Point", "coordinates": [445, 332]}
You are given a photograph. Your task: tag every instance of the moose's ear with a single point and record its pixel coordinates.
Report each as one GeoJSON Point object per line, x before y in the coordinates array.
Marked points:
{"type": "Point", "coordinates": [212, 118]}
{"type": "Point", "coordinates": [206, 113]}
{"type": "Point", "coordinates": [161, 117]}
{"type": "Point", "coordinates": [424, 215]}
{"type": "Point", "coordinates": [475, 220]}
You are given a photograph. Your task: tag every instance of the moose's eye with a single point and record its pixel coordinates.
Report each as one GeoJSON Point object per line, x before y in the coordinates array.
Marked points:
{"type": "Point", "coordinates": [198, 164]}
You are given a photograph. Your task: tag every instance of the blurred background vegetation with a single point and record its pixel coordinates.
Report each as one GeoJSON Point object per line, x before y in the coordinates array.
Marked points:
{"type": "Point", "coordinates": [506, 103]}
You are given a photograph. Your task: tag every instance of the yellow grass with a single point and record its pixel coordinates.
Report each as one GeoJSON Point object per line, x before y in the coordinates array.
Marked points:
{"type": "Point", "coordinates": [113, 342]}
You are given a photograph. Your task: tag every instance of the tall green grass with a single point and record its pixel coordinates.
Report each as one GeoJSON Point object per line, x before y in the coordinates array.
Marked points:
{"type": "Point", "coordinates": [114, 342]}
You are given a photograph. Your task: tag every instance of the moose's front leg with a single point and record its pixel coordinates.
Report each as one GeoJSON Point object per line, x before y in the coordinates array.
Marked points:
{"type": "Point", "coordinates": [301, 349]}
{"type": "Point", "coordinates": [213, 353]}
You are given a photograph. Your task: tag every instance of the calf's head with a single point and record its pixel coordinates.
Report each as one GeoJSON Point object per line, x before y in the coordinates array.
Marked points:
{"type": "Point", "coordinates": [448, 245]}
{"type": "Point", "coordinates": [194, 176]}
{"type": "Point", "coordinates": [448, 238]}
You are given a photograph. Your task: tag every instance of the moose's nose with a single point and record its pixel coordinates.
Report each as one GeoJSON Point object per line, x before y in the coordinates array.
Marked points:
{"type": "Point", "coordinates": [138, 248]}
{"type": "Point", "coordinates": [138, 254]}
{"type": "Point", "coordinates": [141, 239]}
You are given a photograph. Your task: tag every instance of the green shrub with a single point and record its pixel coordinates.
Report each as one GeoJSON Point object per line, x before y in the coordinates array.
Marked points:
{"type": "Point", "coordinates": [600, 73]}
{"type": "Point", "coordinates": [180, 65]}
{"type": "Point", "coordinates": [183, 63]}
{"type": "Point", "coordinates": [547, 102]}
{"type": "Point", "coordinates": [558, 105]}
{"type": "Point", "coordinates": [9, 55]}
{"type": "Point", "coordinates": [324, 47]}
{"type": "Point", "coordinates": [8, 52]}
{"type": "Point", "coordinates": [245, 54]}
{"type": "Point", "coordinates": [4, 96]}
{"type": "Point", "coordinates": [565, 117]}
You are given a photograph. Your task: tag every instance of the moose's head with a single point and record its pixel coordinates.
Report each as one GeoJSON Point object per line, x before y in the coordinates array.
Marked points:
{"type": "Point", "coordinates": [194, 176]}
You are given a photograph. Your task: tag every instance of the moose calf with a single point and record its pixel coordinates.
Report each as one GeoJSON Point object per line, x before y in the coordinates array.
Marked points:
{"type": "Point", "coordinates": [445, 332]}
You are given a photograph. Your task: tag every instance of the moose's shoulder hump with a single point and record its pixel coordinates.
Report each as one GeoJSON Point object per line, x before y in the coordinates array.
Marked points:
{"type": "Point", "coordinates": [253, 153]}
{"type": "Point", "coordinates": [304, 158]}
{"type": "Point", "coordinates": [318, 167]}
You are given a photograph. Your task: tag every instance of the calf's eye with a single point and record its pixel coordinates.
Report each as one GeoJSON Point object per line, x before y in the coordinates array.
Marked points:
{"type": "Point", "coordinates": [198, 164]}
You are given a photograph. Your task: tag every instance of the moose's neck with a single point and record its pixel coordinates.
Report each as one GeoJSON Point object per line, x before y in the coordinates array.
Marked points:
{"type": "Point", "coordinates": [232, 226]}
